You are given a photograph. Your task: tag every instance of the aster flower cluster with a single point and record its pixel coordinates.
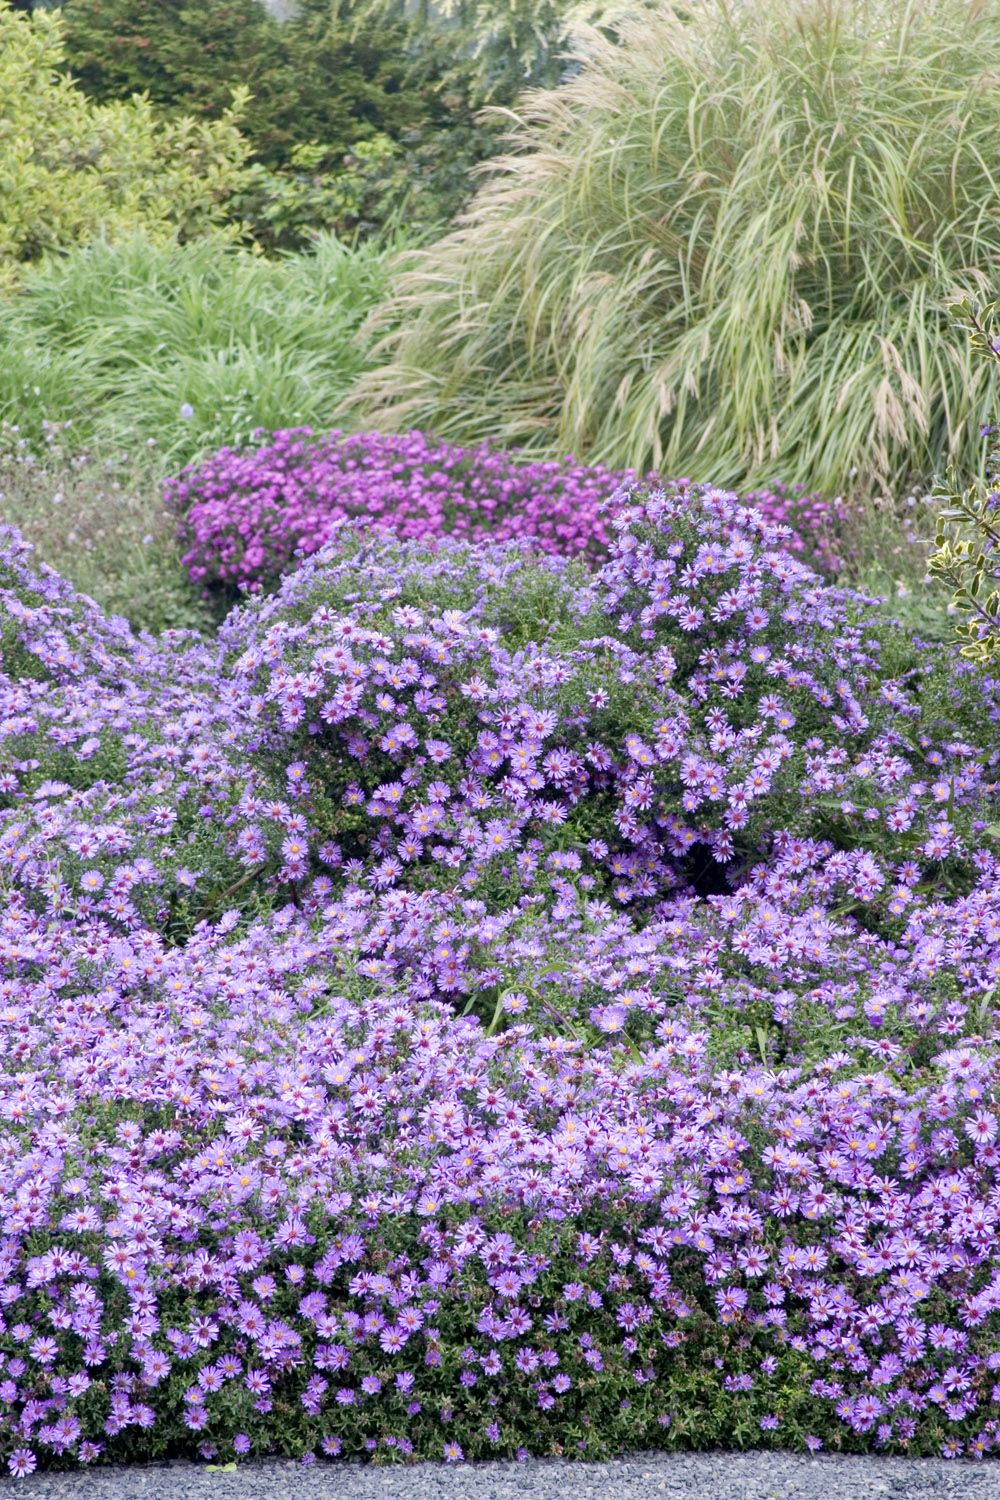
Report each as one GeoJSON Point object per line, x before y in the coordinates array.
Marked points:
{"type": "Point", "coordinates": [700, 692]}
{"type": "Point", "coordinates": [249, 515]}
{"type": "Point", "coordinates": [480, 1004]}
{"type": "Point", "coordinates": [821, 526]}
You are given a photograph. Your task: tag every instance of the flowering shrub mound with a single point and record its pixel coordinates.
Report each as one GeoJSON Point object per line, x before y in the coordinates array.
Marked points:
{"type": "Point", "coordinates": [481, 1005]}
{"type": "Point", "coordinates": [702, 691]}
{"type": "Point", "coordinates": [249, 515]}
{"type": "Point", "coordinates": [469, 712]}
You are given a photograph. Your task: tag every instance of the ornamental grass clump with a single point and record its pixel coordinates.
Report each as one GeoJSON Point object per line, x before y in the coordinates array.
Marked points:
{"type": "Point", "coordinates": [163, 352]}
{"type": "Point", "coordinates": [249, 515]}
{"type": "Point", "coordinates": [476, 1006]}
{"type": "Point", "coordinates": [724, 249]}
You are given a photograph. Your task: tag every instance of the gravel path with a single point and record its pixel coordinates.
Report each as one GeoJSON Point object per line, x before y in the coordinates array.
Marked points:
{"type": "Point", "coordinates": [677, 1476]}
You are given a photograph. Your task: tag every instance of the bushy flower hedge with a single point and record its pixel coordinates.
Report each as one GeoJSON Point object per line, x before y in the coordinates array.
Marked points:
{"type": "Point", "coordinates": [258, 1202]}
{"type": "Point", "coordinates": [481, 1005]}
{"type": "Point", "coordinates": [249, 514]}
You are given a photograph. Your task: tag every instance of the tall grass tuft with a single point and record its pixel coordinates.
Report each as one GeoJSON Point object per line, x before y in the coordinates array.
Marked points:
{"type": "Point", "coordinates": [166, 351]}
{"type": "Point", "coordinates": [725, 248]}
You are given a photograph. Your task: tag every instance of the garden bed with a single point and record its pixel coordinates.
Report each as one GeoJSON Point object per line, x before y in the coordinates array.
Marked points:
{"type": "Point", "coordinates": [481, 1003]}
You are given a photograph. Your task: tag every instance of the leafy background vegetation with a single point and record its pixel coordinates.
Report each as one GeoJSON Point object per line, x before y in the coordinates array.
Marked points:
{"type": "Point", "coordinates": [73, 170]}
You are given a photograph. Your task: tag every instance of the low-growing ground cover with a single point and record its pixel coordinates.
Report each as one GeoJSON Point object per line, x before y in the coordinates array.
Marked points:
{"type": "Point", "coordinates": [102, 523]}
{"type": "Point", "coordinates": [476, 1003]}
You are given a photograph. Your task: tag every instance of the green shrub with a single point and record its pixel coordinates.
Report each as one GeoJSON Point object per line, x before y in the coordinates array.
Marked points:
{"type": "Point", "coordinates": [311, 78]}
{"type": "Point", "coordinates": [968, 539]}
{"type": "Point", "coordinates": [420, 182]}
{"type": "Point", "coordinates": [163, 351]}
{"type": "Point", "coordinates": [359, 121]}
{"type": "Point", "coordinates": [71, 170]}
{"type": "Point", "coordinates": [486, 50]}
{"type": "Point", "coordinates": [724, 248]}
{"type": "Point", "coordinates": [363, 114]}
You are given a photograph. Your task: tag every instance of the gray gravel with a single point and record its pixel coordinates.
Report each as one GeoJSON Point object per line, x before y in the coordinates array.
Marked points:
{"type": "Point", "coordinates": [678, 1476]}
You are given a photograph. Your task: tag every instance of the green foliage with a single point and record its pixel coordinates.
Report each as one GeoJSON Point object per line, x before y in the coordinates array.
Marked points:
{"type": "Point", "coordinates": [285, 209]}
{"type": "Point", "coordinates": [104, 524]}
{"type": "Point", "coordinates": [357, 124]}
{"type": "Point", "coordinates": [968, 539]}
{"type": "Point", "coordinates": [183, 55]}
{"type": "Point", "coordinates": [71, 170]}
{"type": "Point", "coordinates": [164, 351]}
{"type": "Point", "coordinates": [493, 48]}
{"type": "Point", "coordinates": [312, 79]}
{"type": "Point", "coordinates": [725, 248]}
{"type": "Point", "coordinates": [416, 183]}
{"type": "Point", "coordinates": [363, 112]}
